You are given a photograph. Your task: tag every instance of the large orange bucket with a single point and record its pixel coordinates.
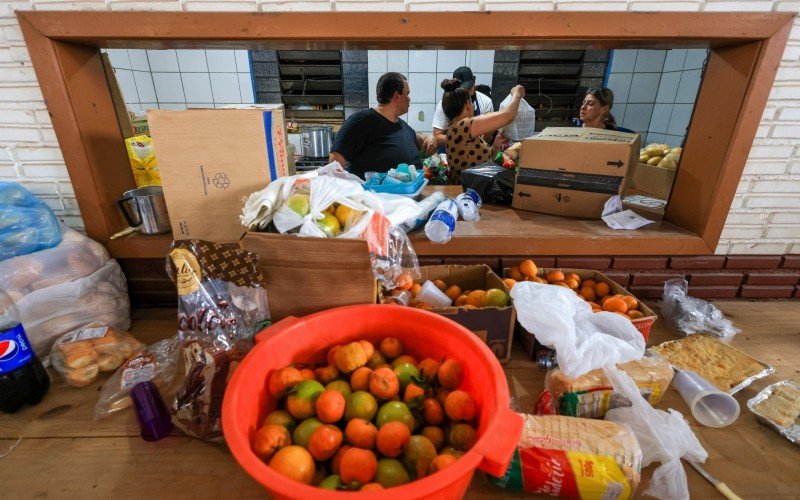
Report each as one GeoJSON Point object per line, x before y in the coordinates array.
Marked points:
{"type": "Point", "coordinates": [423, 334]}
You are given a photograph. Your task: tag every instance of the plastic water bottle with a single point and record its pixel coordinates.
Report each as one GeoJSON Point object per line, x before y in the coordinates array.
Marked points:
{"type": "Point", "coordinates": [23, 379]}
{"type": "Point", "coordinates": [468, 203]}
{"type": "Point", "coordinates": [442, 224]}
{"type": "Point", "coordinates": [428, 205]}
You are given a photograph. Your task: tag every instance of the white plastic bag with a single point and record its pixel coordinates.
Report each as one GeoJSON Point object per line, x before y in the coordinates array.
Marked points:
{"type": "Point", "coordinates": [583, 340]}
{"type": "Point", "coordinates": [686, 315]}
{"type": "Point", "coordinates": [100, 299]}
{"type": "Point", "coordinates": [524, 123]}
{"type": "Point", "coordinates": [663, 436]}
{"type": "Point", "coordinates": [75, 257]}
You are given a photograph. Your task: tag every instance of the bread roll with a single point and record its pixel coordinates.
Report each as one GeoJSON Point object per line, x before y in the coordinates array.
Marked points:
{"type": "Point", "coordinates": [591, 395]}
{"type": "Point", "coordinates": [76, 354]}
{"type": "Point", "coordinates": [81, 377]}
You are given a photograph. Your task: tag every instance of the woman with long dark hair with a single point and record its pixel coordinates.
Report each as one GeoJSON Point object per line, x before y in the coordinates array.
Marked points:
{"type": "Point", "coordinates": [595, 110]}
{"type": "Point", "coordinates": [464, 144]}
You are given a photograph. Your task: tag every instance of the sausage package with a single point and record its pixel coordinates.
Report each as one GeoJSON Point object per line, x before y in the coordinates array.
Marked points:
{"type": "Point", "coordinates": [574, 458]}
{"type": "Point", "coordinates": [222, 303]}
{"type": "Point", "coordinates": [591, 394]}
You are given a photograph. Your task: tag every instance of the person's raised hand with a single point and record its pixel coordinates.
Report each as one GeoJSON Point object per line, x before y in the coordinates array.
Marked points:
{"type": "Point", "coordinates": [429, 145]}
{"type": "Point", "coordinates": [518, 91]}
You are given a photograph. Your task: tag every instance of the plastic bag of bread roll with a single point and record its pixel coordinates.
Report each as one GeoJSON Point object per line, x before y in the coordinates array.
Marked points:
{"type": "Point", "coordinates": [157, 363]}
{"type": "Point", "coordinates": [574, 458]}
{"type": "Point", "coordinates": [75, 257]}
{"type": "Point", "coordinates": [591, 394]}
{"type": "Point", "coordinates": [80, 355]}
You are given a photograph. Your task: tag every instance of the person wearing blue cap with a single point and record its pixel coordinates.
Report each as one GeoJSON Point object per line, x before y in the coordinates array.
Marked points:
{"type": "Point", "coordinates": [481, 104]}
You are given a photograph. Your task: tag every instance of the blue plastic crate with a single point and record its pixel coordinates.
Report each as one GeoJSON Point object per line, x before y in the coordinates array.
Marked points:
{"type": "Point", "coordinates": [375, 184]}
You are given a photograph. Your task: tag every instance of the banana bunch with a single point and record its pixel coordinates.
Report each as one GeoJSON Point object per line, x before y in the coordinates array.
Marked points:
{"type": "Point", "coordinates": [660, 155]}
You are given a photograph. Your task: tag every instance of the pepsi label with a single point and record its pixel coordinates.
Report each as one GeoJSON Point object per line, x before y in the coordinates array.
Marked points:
{"type": "Point", "coordinates": [15, 351]}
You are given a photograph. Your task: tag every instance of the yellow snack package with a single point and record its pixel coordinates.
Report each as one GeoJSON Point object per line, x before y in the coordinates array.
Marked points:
{"type": "Point", "coordinates": [143, 160]}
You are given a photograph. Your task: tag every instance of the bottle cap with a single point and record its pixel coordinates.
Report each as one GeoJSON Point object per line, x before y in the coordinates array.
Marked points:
{"type": "Point", "coordinates": [154, 418]}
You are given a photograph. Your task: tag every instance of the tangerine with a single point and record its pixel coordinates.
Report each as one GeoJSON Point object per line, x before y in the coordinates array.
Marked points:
{"type": "Point", "coordinates": [332, 353]}
{"type": "Point", "coordinates": [405, 281]}
{"type": "Point", "coordinates": [326, 374]}
{"type": "Point", "coordinates": [405, 358]}
{"type": "Point", "coordinates": [384, 384]}
{"type": "Point", "coordinates": [270, 439]}
{"type": "Point", "coordinates": [358, 465]}
{"type": "Point", "coordinates": [428, 368]}
{"type": "Point", "coordinates": [515, 274]}
{"type": "Point", "coordinates": [555, 276]}
{"type": "Point", "coordinates": [475, 298]}
{"type": "Point", "coordinates": [330, 406]}
{"type": "Point", "coordinates": [435, 434]}
{"type": "Point", "coordinates": [360, 378]}
{"type": "Point", "coordinates": [340, 386]}
{"type": "Point", "coordinates": [588, 283]}
{"type": "Point", "coordinates": [376, 360]}
{"type": "Point", "coordinates": [615, 304]}
{"type": "Point", "coordinates": [432, 413]}
{"type": "Point", "coordinates": [527, 268]}
{"type": "Point", "coordinates": [453, 291]}
{"type": "Point", "coordinates": [361, 433]}
{"type": "Point", "coordinates": [509, 282]}
{"type": "Point", "coordinates": [301, 403]}
{"type": "Point", "coordinates": [441, 285]}
{"type": "Point", "coordinates": [413, 395]}
{"type": "Point", "coordinates": [415, 288]}
{"type": "Point", "coordinates": [572, 276]}
{"type": "Point", "coordinates": [634, 314]}
{"type": "Point", "coordinates": [459, 405]}
{"type": "Point", "coordinates": [602, 289]}
{"type": "Point", "coordinates": [461, 300]}
{"type": "Point", "coordinates": [337, 458]}
{"type": "Point", "coordinates": [360, 404]}
{"type": "Point", "coordinates": [294, 462]}
{"type": "Point", "coordinates": [391, 473]}
{"type": "Point", "coordinates": [393, 437]}
{"type": "Point", "coordinates": [390, 348]}
{"type": "Point", "coordinates": [369, 349]}
{"type": "Point", "coordinates": [280, 417]}
{"type": "Point", "coordinates": [418, 455]}
{"type": "Point", "coordinates": [283, 379]}
{"type": "Point", "coordinates": [440, 462]}
{"type": "Point", "coordinates": [588, 294]}
{"type": "Point", "coordinates": [631, 302]}
{"type": "Point", "coordinates": [571, 283]}
{"type": "Point", "coordinates": [349, 357]}
{"type": "Point", "coordinates": [325, 442]}
{"type": "Point", "coordinates": [371, 487]}
{"type": "Point", "coordinates": [462, 436]}
{"type": "Point", "coordinates": [451, 375]}
{"type": "Point", "coordinates": [302, 433]}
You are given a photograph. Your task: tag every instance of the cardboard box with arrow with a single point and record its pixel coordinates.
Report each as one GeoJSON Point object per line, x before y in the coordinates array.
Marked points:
{"type": "Point", "coordinates": [574, 171]}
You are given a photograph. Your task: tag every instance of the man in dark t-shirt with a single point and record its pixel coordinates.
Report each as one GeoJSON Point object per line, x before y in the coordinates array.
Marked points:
{"type": "Point", "coordinates": [377, 139]}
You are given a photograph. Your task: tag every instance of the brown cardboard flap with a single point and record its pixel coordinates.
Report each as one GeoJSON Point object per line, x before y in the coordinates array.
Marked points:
{"type": "Point", "coordinates": [655, 181]}
{"type": "Point", "coordinates": [212, 159]}
{"type": "Point", "coordinates": [308, 275]}
{"type": "Point", "coordinates": [559, 201]}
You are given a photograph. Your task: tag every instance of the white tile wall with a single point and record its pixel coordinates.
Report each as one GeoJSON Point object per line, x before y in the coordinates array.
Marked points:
{"type": "Point", "coordinates": [778, 213]}
{"type": "Point", "coordinates": [397, 61]}
{"type": "Point", "coordinates": [644, 87]}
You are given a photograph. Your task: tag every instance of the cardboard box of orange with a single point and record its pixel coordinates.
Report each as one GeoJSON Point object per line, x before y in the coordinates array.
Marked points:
{"type": "Point", "coordinates": [308, 275]}
{"type": "Point", "coordinates": [573, 171]}
{"type": "Point", "coordinates": [494, 325]}
{"type": "Point", "coordinates": [644, 325]}
{"type": "Point", "coordinates": [210, 159]}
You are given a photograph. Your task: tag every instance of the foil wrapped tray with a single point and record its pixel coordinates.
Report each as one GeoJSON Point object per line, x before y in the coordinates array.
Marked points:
{"type": "Point", "coordinates": [790, 431]}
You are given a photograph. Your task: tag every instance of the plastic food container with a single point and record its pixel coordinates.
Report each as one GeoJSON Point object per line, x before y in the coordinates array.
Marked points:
{"type": "Point", "coordinates": [375, 183]}
{"type": "Point", "coordinates": [423, 334]}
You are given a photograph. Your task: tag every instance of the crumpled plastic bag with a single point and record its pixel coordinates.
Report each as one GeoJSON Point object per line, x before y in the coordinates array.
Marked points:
{"type": "Point", "coordinates": [686, 315]}
{"type": "Point", "coordinates": [523, 124]}
{"type": "Point", "coordinates": [663, 436]}
{"type": "Point", "coordinates": [583, 340]}
{"type": "Point", "coordinates": [26, 224]}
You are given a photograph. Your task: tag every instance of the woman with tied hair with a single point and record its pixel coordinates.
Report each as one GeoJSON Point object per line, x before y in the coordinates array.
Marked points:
{"type": "Point", "coordinates": [465, 146]}
{"type": "Point", "coordinates": [595, 110]}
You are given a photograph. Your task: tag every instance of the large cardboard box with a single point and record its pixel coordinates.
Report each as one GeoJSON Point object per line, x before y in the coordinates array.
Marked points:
{"type": "Point", "coordinates": [644, 325]}
{"type": "Point", "coordinates": [574, 171]}
{"type": "Point", "coordinates": [654, 181]}
{"type": "Point", "coordinates": [308, 275]}
{"type": "Point", "coordinates": [494, 325]}
{"type": "Point", "coordinates": [211, 159]}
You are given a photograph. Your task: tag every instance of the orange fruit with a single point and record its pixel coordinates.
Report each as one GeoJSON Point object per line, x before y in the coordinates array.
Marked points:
{"type": "Point", "coordinates": [588, 294]}
{"type": "Point", "coordinates": [572, 276]}
{"type": "Point", "coordinates": [561, 283]}
{"type": "Point", "coordinates": [615, 304]}
{"type": "Point", "coordinates": [337, 458]}
{"type": "Point", "coordinates": [360, 404]}
{"type": "Point", "coordinates": [418, 455]}
{"type": "Point", "coordinates": [270, 439]}
{"type": "Point", "coordinates": [325, 442]}
{"type": "Point", "coordinates": [376, 360]}
{"type": "Point", "coordinates": [405, 281]}
{"type": "Point", "coordinates": [453, 291]}
{"type": "Point", "coordinates": [634, 314]}
{"type": "Point", "coordinates": [440, 462]}
{"type": "Point", "coordinates": [462, 436]}
{"type": "Point", "coordinates": [602, 289]}
{"type": "Point", "coordinates": [461, 300]}
{"type": "Point", "coordinates": [475, 298]}
{"type": "Point", "coordinates": [283, 379]}
{"type": "Point", "coordinates": [330, 406]}
{"type": "Point", "coordinates": [302, 402]}
{"type": "Point", "coordinates": [527, 268]}
{"type": "Point", "coordinates": [435, 434]}
{"type": "Point", "coordinates": [294, 462]}
{"type": "Point", "coordinates": [349, 357]}
{"type": "Point", "coordinates": [369, 349]}
{"type": "Point", "coordinates": [441, 397]}
{"type": "Point", "coordinates": [428, 368]}
{"type": "Point", "coordinates": [405, 358]}
{"type": "Point", "coordinates": [432, 412]}
{"type": "Point", "coordinates": [441, 285]}
{"type": "Point", "coordinates": [391, 473]}
{"type": "Point", "coordinates": [360, 378]}
{"type": "Point", "coordinates": [459, 405]}
{"type": "Point", "coordinates": [390, 347]}
{"type": "Point", "coordinates": [371, 487]}
{"type": "Point", "coordinates": [415, 288]}
{"type": "Point", "coordinates": [515, 274]}
{"type": "Point", "coordinates": [539, 280]}
{"type": "Point", "coordinates": [571, 283]}
{"type": "Point", "coordinates": [451, 374]}
{"type": "Point", "coordinates": [358, 465]}
{"type": "Point", "coordinates": [383, 383]}
{"type": "Point", "coordinates": [555, 276]}
{"type": "Point", "coordinates": [413, 395]}
{"type": "Point", "coordinates": [393, 437]}
{"type": "Point", "coordinates": [332, 354]}
{"type": "Point", "coordinates": [631, 302]}
{"type": "Point", "coordinates": [326, 374]}
{"type": "Point", "coordinates": [589, 283]}
{"type": "Point", "coordinates": [604, 299]}
{"type": "Point", "coordinates": [280, 417]}
{"type": "Point", "coordinates": [510, 283]}
{"type": "Point", "coordinates": [361, 433]}
{"type": "Point", "coordinates": [494, 297]}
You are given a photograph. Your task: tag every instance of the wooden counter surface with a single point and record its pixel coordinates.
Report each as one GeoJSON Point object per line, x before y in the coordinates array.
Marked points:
{"type": "Point", "coordinates": [63, 453]}
{"type": "Point", "coordinates": [502, 230]}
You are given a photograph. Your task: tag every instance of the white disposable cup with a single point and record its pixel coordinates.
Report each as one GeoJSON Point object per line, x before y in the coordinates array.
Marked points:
{"type": "Point", "coordinates": [431, 295]}
{"type": "Point", "coordinates": [709, 405]}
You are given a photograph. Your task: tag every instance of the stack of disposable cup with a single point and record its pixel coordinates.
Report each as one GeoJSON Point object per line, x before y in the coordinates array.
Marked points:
{"type": "Point", "coordinates": [709, 405]}
{"type": "Point", "coordinates": [431, 294]}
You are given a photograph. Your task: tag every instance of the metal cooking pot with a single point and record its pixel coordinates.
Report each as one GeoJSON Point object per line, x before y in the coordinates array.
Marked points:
{"type": "Point", "coordinates": [317, 140]}
{"type": "Point", "coordinates": [145, 210]}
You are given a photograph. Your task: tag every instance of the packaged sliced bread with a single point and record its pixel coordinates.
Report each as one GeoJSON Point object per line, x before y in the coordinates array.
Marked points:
{"type": "Point", "coordinates": [572, 457]}
{"type": "Point", "coordinates": [591, 395]}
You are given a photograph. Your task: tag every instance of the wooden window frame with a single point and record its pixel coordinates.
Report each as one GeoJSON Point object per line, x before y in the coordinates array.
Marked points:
{"type": "Point", "coordinates": [745, 52]}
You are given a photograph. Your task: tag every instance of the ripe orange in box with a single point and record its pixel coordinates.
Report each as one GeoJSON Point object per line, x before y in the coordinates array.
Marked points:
{"type": "Point", "coordinates": [527, 268]}
{"type": "Point", "coordinates": [441, 285]}
{"type": "Point", "coordinates": [453, 291]}
{"type": "Point", "coordinates": [588, 294]}
{"type": "Point", "coordinates": [602, 289]}
{"type": "Point", "coordinates": [555, 277]}
{"type": "Point", "coordinates": [475, 298]}
{"type": "Point", "coordinates": [615, 304]}
{"type": "Point", "coordinates": [634, 314]}
{"type": "Point", "coordinates": [631, 302]}
{"type": "Point", "coordinates": [588, 283]}
{"type": "Point", "coordinates": [509, 283]}
{"type": "Point", "coordinates": [515, 274]}
{"type": "Point", "coordinates": [405, 281]}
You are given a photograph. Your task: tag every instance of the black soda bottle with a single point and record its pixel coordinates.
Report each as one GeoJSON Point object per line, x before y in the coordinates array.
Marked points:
{"type": "Point", "coordinates": [23, 379]}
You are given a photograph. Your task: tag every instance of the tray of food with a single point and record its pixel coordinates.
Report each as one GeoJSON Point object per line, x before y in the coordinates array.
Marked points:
{"type": "Point", "coordinates": [728, 368]}
{"type": "Point", "coordinates": [778, 406]}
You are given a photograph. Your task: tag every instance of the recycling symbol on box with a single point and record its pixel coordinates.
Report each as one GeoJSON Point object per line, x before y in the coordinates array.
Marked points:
{"type": "Point", "coordinates": [221, 180]}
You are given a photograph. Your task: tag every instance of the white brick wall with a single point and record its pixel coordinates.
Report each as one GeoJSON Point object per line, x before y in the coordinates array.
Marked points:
{"type": "Point", "coordinates": [764, 217]}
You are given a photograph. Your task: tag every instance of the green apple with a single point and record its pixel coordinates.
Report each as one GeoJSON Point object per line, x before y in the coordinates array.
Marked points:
{"type": "Point", "coordinates": [299, 203]}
